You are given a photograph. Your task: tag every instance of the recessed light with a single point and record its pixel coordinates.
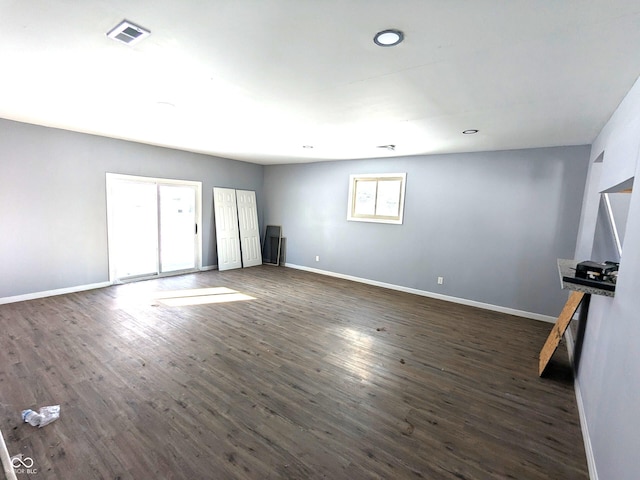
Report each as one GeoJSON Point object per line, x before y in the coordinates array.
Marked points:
{"type": "Point", "coordinates": [388, 38]}
{"type": "Point", "coordinates": [470, 131]}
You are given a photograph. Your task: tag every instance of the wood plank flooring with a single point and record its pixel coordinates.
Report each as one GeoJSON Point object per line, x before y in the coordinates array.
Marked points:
{"type": "Point", "coordinates": [316, 377]}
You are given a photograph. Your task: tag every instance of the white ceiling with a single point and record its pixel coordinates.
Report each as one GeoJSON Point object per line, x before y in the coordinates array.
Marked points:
{"type": "Point", "coordinates": [257, 80]}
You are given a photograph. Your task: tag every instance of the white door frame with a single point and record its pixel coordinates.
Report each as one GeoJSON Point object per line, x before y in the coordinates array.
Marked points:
{"type": "Point", "coordinates": [112, 178]}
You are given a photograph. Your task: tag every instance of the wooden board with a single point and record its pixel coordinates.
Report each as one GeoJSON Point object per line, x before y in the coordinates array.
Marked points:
{"type": "Point", "coordinates": [559, 328]}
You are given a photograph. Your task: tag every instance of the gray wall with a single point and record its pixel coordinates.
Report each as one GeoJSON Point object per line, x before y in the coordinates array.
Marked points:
{"type": "Point", "coordinates": [492, 223]}
{"type": "Point", "coordinates": [53, 222]}
{"type": "Point", "coordinates": [608, 372]}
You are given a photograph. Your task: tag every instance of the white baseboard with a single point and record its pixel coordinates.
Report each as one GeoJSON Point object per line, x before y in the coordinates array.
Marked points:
{"type": "Point", "coordinates": [79, 288]}
{"type": "Point", "coordinates": [424, 293]}
{"type": "Point", "coordinates": [51, 293]}
{"type": "Point", "coordinates": [588, 449]}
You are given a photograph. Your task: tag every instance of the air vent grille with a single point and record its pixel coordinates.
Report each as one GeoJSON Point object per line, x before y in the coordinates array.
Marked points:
{"type": "Point", "coordinates": [127, 32]}
{"type": "Point", "coordinates": [387, 147]}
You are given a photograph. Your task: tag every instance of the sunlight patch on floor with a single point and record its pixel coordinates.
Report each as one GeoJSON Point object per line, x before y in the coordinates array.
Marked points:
{"type": "Point", "coordinates": [358, 352]}
{"type": "Point", "coordinates": [194, 292]}
{"type": "Point", "coordinates": [201, 296]}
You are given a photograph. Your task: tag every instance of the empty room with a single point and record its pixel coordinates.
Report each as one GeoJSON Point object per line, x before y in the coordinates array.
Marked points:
{"type": "Point", "coordinates": [319, 239]}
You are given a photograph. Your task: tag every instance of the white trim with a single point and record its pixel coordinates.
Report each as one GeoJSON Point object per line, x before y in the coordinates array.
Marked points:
{"type": "Point", "coordinates": [586, 438]}
{"type": "Point", "coordinates": [142, 278]}
{"type": "Point", "coordinates": [424, 293]}
{"type": "Point", "coordinates": [81, 288]}
{"type": "Point", "coordinates": [51, 293]}
{"type": "Point", "coordinates": [612, 221]}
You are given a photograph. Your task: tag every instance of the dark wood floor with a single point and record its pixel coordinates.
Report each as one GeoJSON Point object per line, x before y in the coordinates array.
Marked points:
{"type": "Point", "coordinates": [315, 378]}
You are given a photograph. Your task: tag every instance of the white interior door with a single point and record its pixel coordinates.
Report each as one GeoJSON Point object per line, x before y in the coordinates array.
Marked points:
{"type": "Point", "coordinates": [249, 231]}
{"type": "Point", "coordinates": [227, 232]}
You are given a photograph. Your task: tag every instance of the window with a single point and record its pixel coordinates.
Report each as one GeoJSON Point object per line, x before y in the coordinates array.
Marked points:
{"type": "Point", "coordinates": [377, 197]}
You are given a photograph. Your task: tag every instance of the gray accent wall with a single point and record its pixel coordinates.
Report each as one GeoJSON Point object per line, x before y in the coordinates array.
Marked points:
{"type": "Point", "coordinates": [491, 223]}
{"type": "Point", "coordinates": [53, 220]}
{"type": "Point", "coordinates": [608, 370]}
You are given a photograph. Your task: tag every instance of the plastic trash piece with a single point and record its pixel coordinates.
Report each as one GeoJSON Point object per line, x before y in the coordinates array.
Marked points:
{"type": "Point", "coordinates": [42, 417]}
{"type": "Point", "coordinates": [32, 418]}
{"type": "Point", "coordinates": [49, 414]}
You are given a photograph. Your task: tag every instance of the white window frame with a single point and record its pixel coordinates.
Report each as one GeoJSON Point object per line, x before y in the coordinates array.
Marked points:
{"type": "Point", "coordinates": [370, 210]}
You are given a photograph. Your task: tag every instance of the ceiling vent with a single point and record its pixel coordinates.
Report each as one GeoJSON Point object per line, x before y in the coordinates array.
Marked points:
{"type": "Point", "coordinates": [387, 147]}
{"type": "Point", "coordinates": [127, 32]}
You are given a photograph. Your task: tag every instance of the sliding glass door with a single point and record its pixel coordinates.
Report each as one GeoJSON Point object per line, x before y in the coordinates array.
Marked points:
{"type": "Point", "coordinates": [134, 228]}
{"type": "Point", "coordinates": [153, 226]}
{"type": "Point", "coordinates": [177, 227]}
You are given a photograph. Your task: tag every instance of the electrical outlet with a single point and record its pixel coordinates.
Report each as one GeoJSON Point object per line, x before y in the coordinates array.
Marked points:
{"type": "Point", "coordinates": [317, 258]}
{"type": "Point", "coordinates": [440, 280]}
